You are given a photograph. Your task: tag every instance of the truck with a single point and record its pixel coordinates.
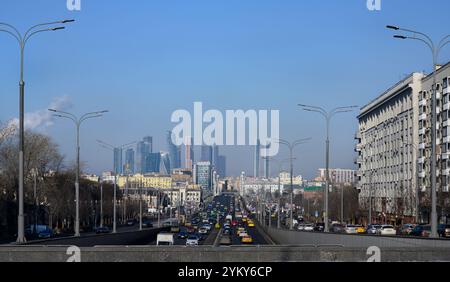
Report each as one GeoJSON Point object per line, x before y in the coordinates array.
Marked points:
{"type": "Point", "coordinates": [164, 239]}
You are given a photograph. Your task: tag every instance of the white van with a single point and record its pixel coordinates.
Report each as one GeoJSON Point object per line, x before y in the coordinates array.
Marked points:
{"type": "Point", "coordinates": [164, 239]}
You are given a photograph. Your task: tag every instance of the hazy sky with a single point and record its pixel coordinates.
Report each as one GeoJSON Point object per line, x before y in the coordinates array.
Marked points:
{"type": "Point", "coordinates": [144, 59]}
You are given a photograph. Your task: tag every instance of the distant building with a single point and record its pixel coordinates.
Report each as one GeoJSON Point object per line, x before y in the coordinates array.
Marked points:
{"type": "Point", "coordinates": [173, 151]}
{"type": "Point", "coordinates": [188, 153]}
{"type": "Point", "coordinates": [338, 175]}
{"type": "Point", "coordinates": [118, 164]}
{"type": "Point", "coordinates": [143, 148]}
{"type": "Point", "coordinates": [285, 178]}
{"type": "Point", "coordinates": [153, 163]}
{"type": "Point", "coordinates": [164, 167]}
{"type": "Point", "coordinates": [147, 180]}
{"type": "Point", "coordinates": [91, 177]}
{"type": "Point", "coordinates": [203, 175]}
{"type": "Point", "coordinates": [207, 154]}
{"type": "Point", "coordinates": [108, 176]}
{"type": "Point", "coordinates": [222, 166]}
{"type": "Point", "coordinates": [129, 161]}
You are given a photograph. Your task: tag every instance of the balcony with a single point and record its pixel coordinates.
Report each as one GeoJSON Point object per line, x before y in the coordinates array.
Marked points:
{"type": "Point", "coordinates": [446, 90]}
{"type": "Point", "coordinates": [446, 123]}
{"type": "Point", "coordinates": [421, 160]}
{"type": "Point", "coordinates": [438, 95]}
{"type": "Point", "coordinates": [358, 160]}
{"type": "Point", "coordinates": [446, 171]}
{"type": "Point", "coordinates": [423, 116]}
{"type": "Point", "coordinates": [422, 131]}
{"type": "Point", "coordinates": [422, 146]}
{"type": "Point", "coordinates": [358, 147]}
{"type": "Point", "coordinates": [422, 102]}
{"type": "Point", "coordinates": [422, 174]}
{"type": "Point", "coordinates": [447, 139]}
{"type": "Point", "coordinates": [438, 110]}
{"type": "Point", "coordinates": [446, 106]}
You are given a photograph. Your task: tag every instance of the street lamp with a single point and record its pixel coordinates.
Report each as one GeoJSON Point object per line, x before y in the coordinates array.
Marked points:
{"type": "Point", "coordinates": [327, 115]}
{"type": "Point", "coordinates": [280, 163]}
{"type": "Point", "coordinates": [78, 122]}
{"type": "Point", "coordinates": [435, 50]}
{"type": "Point", "coordinates": [113, 148]}
{"type": "Point", "coordinates": [22, 39]}
{"type": "Point", "coordinates": [291, 147]}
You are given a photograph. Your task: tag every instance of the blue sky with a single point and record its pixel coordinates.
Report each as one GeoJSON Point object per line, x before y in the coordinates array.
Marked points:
{"type": "Point", "coordinates": [144, 59]}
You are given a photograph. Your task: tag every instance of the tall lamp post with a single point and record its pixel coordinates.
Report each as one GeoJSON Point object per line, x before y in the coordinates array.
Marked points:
{"type": "Point", "coordinates": [327, 116]}
{"type": "Point", "coordinates": [291, 147]}
{"type": "Point", "coordinates": [77, 121]}
{"type": "Point", "coordinates": [22, 39]}
{"type": "Point", "coordinates": [280, 163]}
{"type": "Point", "coordinates": [113, 148]}
{"type": "Point", "coordinates": [435, 50]}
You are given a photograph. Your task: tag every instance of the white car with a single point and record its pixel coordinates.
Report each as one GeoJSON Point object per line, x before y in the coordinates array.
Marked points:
{"type": "Point", "coordinates": [301, 227]}
{"type": "Point", "coordinates": [388, 230]}
{"type": "Point", "coordinates": [203, 230]}
{"type": "Point", "coordinates": [243, 234]}
{"type": "Point", "coordinates": [308, 227]}
{"type": "Point", "coordinates": [192, 241]}
{"type": "Point", "coordinates": [351, 229]}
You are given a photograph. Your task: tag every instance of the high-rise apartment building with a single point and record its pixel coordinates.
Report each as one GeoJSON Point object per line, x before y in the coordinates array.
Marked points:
{"type": "Point", "coordinates": [129, 161]}
{"type": "Point", "coordinates": [118, 162]}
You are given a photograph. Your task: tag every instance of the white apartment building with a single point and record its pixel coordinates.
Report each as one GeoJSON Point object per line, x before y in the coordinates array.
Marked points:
{"type": "Point", "coordinates": [338, 175]}
{"type": "Point", "coordinates": [442, 141]}
{"type": "Point", "coordinates": [387, 137]}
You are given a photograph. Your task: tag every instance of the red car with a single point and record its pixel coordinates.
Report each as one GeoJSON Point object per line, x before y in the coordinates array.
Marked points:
{"type": "Point", "coordinates": [234, 223]}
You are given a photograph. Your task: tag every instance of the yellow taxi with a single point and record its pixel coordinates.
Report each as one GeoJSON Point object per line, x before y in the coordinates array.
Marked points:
{"type": "Point", "coordinates": [244, 219]}
{"type": "Point", "coordinates": [239, 230]}
{"type": "Point", "coordinates": [250, 224]}
{"type": "Point", "coordinates": [247, 240]}
{"type": "Point", "coordinates": [360, 229]}
{"type": "Point", "coordinates": [217, 226]}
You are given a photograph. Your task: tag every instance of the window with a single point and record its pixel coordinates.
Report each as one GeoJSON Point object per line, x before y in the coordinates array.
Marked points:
{"type": "Point", "coordinates": [444, 115]}
{"type": "Point", "coordinates": [445, 83]}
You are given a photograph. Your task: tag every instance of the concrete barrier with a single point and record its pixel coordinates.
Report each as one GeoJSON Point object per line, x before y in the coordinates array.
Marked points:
{"type": "Point", "coordinates": [293, 237]}
{"type": "Point", "coordinates": [217, 254]}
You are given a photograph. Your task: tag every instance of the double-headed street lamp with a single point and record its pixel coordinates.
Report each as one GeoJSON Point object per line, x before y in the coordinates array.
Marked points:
{"type": "Point", "coordinates": [22, 39]}
{"type": "Point", "coordinates": [291, 147]}
{"type": "Point", "coordinates": [120, 149]}
{"type": "Point", "coordinates": [327, 115]}
{"type": "Point", "coordinates": [435, 50]}
{"type": "Point", "coordinates": [78, 121]}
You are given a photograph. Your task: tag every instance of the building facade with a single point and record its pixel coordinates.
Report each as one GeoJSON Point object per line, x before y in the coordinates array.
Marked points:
{"type": "Point", "coordinates": [203, 175]}
{"type": "Point", "coordinates": [387, 136]}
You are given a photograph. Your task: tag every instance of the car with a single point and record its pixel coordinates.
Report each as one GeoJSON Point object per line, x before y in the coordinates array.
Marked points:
{"type": "Point", "coordinates": [422, 230]}
{"type": "Point", "coordinates": [207, 226]}
{"type": "Point", "coordinates": [45, 234]}
{"type": "Point", "coordinates": [337, 228]}
{"type": "Point", "coordinates": [350, 229]}
{"type": "Point", "coordinates": [175, 229]}
{"type": "Point", "coordinates": [308, 227]}
{"type": "Point", "coordinates": [182, 235]}
{"type": "Point", "coordinates": [130, 222]}
{"type": "Point", "coordinates": [360, 229]}
{"type": "Point", "coordinates": [301, 227]}
{"type": "Point", "coordinates": [227, 232]}
{"type": "Point", "coordinates": [192, 241]}
{"type": "Point", "coordinates": [319, 227]}
{"type": "Point", "coordinates": [103, 230]}
{"type": "Point", "coordinates": [388, 230]}
{"type": "Point", "coordinates": [147, 223]}
{"type": "Point", "coordinates": [246, 239]}
{"type": "Point", "coordinates": [243, 234]}
{"type": "Point", "coordinates": [234, 222]}
{"type": "Point", "coordinates": [406, 229]}
{"type": "Point", "coordinates": [239, 230]}
{"type": "Point", "coordinates": [250, 224]}
{"type": "Point", "coordinates": [373, 229]}
{"type": "Point", "coordinates": [203, 230]}
{"type": "Point", "coordinates": [444, 230]}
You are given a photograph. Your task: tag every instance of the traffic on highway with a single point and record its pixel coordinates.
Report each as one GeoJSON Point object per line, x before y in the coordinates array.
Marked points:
{"type": "Point", "coordinates": [224, 221]}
